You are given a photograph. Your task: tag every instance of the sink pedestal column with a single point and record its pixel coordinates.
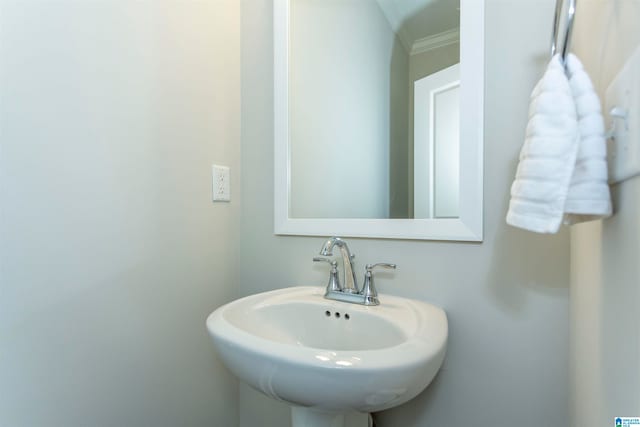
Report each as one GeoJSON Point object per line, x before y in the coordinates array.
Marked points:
{"type": "Point", "coordinates": [306, 417]}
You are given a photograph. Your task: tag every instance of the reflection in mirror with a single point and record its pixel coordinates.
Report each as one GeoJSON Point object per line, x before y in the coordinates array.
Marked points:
{"type": "Point", "coordinates": [332, 178]}
{"type": "Point", "coordinates": [374, 108]}
{"type": "Point", "coordinates": [436, 144]}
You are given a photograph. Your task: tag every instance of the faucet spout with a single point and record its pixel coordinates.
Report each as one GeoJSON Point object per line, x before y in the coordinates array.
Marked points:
{"type": "Point", "coordinates": [350, 282]}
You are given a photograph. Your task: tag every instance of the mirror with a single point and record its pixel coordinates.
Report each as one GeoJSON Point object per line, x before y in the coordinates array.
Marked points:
{"type": "Point", "coordinates": [378, 118]}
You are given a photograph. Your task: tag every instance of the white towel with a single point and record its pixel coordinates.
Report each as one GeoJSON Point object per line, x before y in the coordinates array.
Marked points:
{"type": "Point", "coordinates": [548, 156]}
{"type": "Point", "coordinates": [588, 197]}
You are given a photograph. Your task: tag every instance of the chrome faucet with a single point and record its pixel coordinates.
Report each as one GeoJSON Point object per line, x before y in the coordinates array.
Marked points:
{"type": "Point", "coordinates": [350, 282]}
{"type": "Point", "coordinates": [349, 292]}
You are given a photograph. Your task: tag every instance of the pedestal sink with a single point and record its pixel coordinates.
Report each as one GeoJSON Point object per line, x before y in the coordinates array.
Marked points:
{"type": "Point", "coordinates": [326, 358]}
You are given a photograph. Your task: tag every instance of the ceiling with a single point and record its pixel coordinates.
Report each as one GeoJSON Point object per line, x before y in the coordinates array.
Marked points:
{"type": "Point", "coordinates": [415, 20]}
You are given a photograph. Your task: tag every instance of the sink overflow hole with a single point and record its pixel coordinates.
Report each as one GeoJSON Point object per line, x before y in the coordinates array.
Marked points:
{"type": "Point", "coordinates": [337, 314]}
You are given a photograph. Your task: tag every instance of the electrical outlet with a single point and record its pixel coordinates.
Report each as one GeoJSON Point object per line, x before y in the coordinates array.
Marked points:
{"type": "Point", "coordinates": [221, 183]}
{"type": "Point", "coordinates": [622, 108]}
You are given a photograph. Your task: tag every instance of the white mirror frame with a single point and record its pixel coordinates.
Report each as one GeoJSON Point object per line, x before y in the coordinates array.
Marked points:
{"type": "Point", "coordinates": [468, 227]}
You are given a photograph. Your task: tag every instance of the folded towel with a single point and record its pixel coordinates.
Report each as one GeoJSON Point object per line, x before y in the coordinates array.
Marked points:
{"type": "Point", "coordinates": [588, 197]}
{"type": "Point", "coordinates": [548, 156]}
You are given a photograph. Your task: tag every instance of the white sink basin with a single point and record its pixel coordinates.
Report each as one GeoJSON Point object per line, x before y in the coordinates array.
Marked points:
{"type": "Point", "coordinates": [296, 346]}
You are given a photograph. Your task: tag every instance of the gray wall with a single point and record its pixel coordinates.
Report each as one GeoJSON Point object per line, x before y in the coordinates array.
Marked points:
{"type": "Point", "coordinates": [111, 252]}
{"type": "Point", "coordinates": [605, 273]}
{"type": "Point", "coordinates": [507, 298]}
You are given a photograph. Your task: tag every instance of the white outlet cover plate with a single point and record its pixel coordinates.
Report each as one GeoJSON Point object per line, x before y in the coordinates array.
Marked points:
{"type": "Point", "coordinates": [623, 151]}
{"type": "Point", "coordinates": [221, 183]}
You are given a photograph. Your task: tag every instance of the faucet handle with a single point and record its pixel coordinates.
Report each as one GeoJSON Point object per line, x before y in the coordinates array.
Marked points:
{"type": "Point", "coordinates": [327, 260]}
{"type": "Point", "coordinates": [334, 282]}
{"type": "Point", "coordinates": [369, 291]}
{"type": "Point", "coordinates": [370, 267]}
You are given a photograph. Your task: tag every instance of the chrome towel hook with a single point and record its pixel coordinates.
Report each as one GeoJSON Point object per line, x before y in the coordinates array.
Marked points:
{"type": "Point", "coordinates": [566, 41]}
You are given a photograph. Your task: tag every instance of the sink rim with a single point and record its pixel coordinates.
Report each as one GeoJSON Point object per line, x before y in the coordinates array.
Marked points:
{"type": "Point", "coordinates": [425, 341]}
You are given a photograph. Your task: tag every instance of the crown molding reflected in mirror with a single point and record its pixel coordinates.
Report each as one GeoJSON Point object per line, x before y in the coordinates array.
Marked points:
{"type": "Point", "coordinates": [468, 226]}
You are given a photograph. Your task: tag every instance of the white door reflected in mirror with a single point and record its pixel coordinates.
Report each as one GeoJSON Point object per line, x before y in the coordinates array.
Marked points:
{"type": "Point", "coordinates": [436, 145]}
